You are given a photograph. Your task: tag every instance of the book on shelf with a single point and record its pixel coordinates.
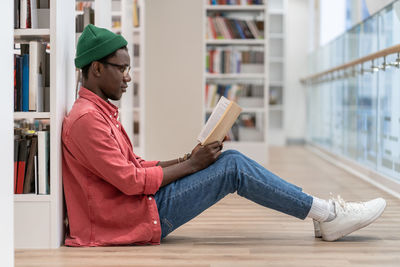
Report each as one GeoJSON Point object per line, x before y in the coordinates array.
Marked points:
{"type": "Point", "coordinates": [235, 59]}
{"type": "Point", "coordinates": [87, 16]}
{"type": "Point", "coordinates": [22, 156]}
{"type": "Point", "coordinates": [16, 141]}
{"type": "Point", "coordinates": [31, 77]}
{"type": "Point", "coordinates": [135, 14]}
{"type": "Point", "coordinates": [221, 27]}
{"type": "Point", "coordinates": [31, 157]}
{"type": "Point", "coordinates": [43, 181]}
{"type": "Point", "coordinates": [29, 181]}
{"type": "Point", "coordinates": [25, 83]}
{"type": "Point", "coordinates": [37, 53]}
{"type": "Point", "coordinates": [245, 95]}
{"type": "Point", "coordinates": [220, 121]}
{"type": "Point", "coordinates": [136, 55]}
{"type": "Point", "coordinates": [33, 14]}
{"type": "Point", "coordinates": [236, 2]}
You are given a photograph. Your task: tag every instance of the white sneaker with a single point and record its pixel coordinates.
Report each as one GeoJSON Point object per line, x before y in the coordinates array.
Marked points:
{"type": "Point", "coordinates": [351, 216]}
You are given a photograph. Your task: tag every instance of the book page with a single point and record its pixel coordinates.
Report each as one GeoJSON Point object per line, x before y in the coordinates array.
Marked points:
{"type": "Point", "coordinates": [220, 121]}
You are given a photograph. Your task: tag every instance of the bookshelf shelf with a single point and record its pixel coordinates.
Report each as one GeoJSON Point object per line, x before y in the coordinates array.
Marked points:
{"type": "Point", "coordinates": [236, 7]}
{"type": "Point", "coordinates": [235, 42]}
{"type": "Point", "coordinates": [137, 29]}
{"type": "Point", "coordinates": [31, 115]}
{"type": "Point", "coordinates": [116, 30]}
{"type": "Point", "coordinates": [275, 107]}
{"type": "Point", "coordinates": [32, 198]}
{"type": "Point", "coordinates": [31, 34]}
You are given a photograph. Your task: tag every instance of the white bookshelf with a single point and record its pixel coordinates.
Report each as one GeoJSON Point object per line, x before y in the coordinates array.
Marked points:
{"type": "Point", "coordinates": [252, 141]}
{"type": "Point", "coordinates": [38, 219]}
{"type": "Point", "coordinates": [132, 102]}
{"type": "Point", "coordinates": [277, 61]}
{"type": "Point", "coordinates": [32, 198]}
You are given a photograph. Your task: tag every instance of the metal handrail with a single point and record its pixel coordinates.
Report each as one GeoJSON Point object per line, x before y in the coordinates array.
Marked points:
{"type": "Point", "coordinates": [382, 53]}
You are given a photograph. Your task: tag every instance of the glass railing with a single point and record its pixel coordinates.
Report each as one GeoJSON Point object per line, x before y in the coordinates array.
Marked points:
{"type": "Point", "coordinates": [355, 111]}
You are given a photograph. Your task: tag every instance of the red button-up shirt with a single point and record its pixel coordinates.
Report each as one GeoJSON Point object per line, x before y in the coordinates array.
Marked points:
{"type": "Point", "coordinates": [108, 189]}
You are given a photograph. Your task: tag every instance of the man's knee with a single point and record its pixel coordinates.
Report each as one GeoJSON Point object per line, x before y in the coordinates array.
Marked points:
{"type": "Point", "coordinates": [231, 152]}
{"type": "Point", "coordinates": [232, 156]}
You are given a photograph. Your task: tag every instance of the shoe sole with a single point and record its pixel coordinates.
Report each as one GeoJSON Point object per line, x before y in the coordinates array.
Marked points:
{"type": "Point", "coordinates": [337, 235]}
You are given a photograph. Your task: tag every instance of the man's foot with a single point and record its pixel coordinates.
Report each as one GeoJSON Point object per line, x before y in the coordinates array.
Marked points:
{"type": "Point", "coordinates": [351, 216]}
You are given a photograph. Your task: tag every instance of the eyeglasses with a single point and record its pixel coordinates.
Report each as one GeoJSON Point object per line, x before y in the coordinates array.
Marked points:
{"type": "Point", "coordinates": [123, 68]}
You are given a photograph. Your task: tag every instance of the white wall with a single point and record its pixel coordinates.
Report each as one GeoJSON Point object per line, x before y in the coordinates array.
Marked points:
{"type": "Point", "coordinates": [297, 42]}
{"type": "Point", "coordinates": [6, 134]}
{"type": "Point", "coordinates": [332, 20]}
{"type": "Point", "coordinates": [173, 77]}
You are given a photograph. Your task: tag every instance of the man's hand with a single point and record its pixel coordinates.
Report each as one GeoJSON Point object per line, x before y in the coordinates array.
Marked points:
{"type": "Point", "coordinates": [202, 156]}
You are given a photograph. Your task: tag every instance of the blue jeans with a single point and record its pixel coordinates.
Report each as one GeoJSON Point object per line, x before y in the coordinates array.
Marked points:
{"type": "Point", "coordinates": [184, 199]}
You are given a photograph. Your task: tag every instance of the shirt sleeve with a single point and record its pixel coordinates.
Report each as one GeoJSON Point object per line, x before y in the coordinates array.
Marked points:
{"type": "Point", "coordinates": [146, 163]}
{"type": "Point", "coordinates": [92, 143]}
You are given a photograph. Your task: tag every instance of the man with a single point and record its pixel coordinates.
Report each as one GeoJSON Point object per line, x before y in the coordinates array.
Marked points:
{"type": "Point", "coordinates": [114, 197]}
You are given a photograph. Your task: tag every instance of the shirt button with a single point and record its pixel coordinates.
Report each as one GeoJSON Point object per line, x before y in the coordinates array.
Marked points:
{"type": "Point", "coordinates": [155, 222]}
{"type": "Point", "coordinates": [110, 116]}
{"type": "Point", "coordinates": [117, 125]}
{"type": "Point", "coordinates": [115, 114]}
{"type": "Point", "coordinates": [150, 198]}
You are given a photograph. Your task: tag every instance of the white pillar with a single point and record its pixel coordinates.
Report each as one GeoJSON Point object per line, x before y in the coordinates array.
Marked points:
{"type": "Point", "coordinates": [6, 134]}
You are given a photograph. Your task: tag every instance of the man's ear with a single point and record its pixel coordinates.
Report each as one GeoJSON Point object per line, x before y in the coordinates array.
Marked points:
{"type": "Point", "coordinates": [96, 68]}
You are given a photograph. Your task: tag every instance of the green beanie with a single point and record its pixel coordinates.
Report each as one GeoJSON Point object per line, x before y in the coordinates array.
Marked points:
{"type": "Point", "coordinates": [96, 43]}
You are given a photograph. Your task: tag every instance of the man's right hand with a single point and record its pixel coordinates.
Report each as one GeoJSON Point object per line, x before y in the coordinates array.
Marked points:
{"type": "Point", "coordinates": [203, 156]}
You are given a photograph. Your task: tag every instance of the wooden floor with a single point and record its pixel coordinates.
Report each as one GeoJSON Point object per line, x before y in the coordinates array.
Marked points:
{"type": "Point", "coordinates": [237, 232]}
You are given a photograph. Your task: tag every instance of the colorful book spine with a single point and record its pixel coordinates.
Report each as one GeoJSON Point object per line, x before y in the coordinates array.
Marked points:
{"type": "Point", "coordinates": [25, 83]}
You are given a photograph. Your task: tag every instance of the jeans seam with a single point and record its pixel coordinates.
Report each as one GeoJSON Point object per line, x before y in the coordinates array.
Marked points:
{"type": "Point", "coordinates": [168, 223]}
{"type": "Point", "coordinates": [197, 184]}
{"type": "Point", "coordinates": [277, 189]}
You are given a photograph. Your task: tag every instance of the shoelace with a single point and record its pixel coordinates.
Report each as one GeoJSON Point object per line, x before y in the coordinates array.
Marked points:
{"type": "Point", "coordinates": [348, 207]}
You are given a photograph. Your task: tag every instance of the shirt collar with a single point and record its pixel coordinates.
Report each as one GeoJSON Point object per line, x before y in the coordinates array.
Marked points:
{"type": "Point", "coordinates": [106, 106]}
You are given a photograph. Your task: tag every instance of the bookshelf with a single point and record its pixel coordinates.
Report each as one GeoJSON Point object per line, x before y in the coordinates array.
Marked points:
{"type": "Point", "coordinates": [38, 219]}
{"type": "Point", "coordinates": [277, 61]}
{"type": "Point", "coordinates": [128, 20]}
{"type": "Point", "coordinates": [236, 66]}
{"type": "Point", "coordinates": [118, 16]}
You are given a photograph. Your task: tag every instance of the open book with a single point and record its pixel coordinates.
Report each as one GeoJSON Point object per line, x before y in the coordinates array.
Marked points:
{"type": "Point", "coordinates": [221, 120]}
